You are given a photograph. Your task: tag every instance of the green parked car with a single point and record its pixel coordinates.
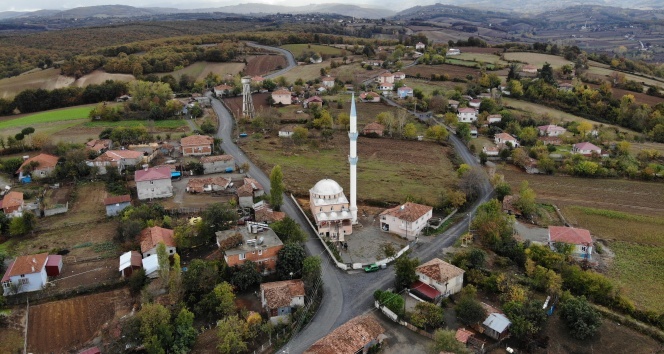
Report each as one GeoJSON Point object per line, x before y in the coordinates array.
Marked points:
{"type": "Point", "coordinates": [371, 268]}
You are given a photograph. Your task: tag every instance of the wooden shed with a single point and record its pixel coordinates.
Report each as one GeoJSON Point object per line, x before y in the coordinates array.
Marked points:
{"type": "Point", "coordinates": [53, 265]}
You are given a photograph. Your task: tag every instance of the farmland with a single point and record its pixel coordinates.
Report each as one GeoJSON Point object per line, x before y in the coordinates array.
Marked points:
{"type": "Point", "coordinates": [264, 64]}
{"type": "Point", "coordinates": [604, 72]}
{"type": "Point", "coordinates": [305, 72]}
{"type": "Point", "coordinates": [168, 124]}
{"type": "Point", "coordinates": [64, 325]}
{"type": "Point", "coordinates": [537, 59]}
{"type": "Point", "coordinates": [379, 178]}
{"type": "Point", "coordinates": [46, 79]}
{"type": "Point", "coordinates": [99, 76]}
{"type": "Point", "coordinates": [57, 115]}
{"type": "Point", "coordinates": [454, 71]}
{"type": "Point", "coordinates": [299, 49]}
{"type": "Point", "coordinates": [480, 57]}
{"type": "Point", "coordinates": [200, 69]}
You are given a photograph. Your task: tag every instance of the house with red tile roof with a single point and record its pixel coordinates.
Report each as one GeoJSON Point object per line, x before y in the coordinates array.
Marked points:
{"type": "Point", "coordinates": [154, 182]}
{"type": "Point", "coordinates": [399, 75]}
{"type": "Point", "coordinates": [120, 159]}
{"type": "Point", "coordinates": [218, 163]}
{"type": "Point", "coordinates": [12, 204]}
{"type": "Point", "coordinates": [579, 238]}
{"type": "Point", "coordinates": [263, 213]}
{"type": "Point", "coordinates": [494, 118]}
{"type": "Point", "coordinates": [207, 185]}
{"type": "Point", "coordinates": [25, 274]}
{"type": "Point", "coordinates": [370, 96]}
{"type": "Point", "coordinates": [44, 166]}
{"type": "Point", "coordinates": [328, 82]}
{"type": "Point", "coordinates": [404, 92]}
{"type": "Point", "coordinates": [222, 90]}
{"type": "Point", "coordinates": [386, 77]}
{"type": "Point", "coordinates": [373, 128]}
{"type": "Point", "coordinates": [445, 278]}
{"type": "Point", "coordinates": [586, 149]}
{"type": "Point", "coordinates": [406, 220]}
{"type": "Point", "coordinates": [502, 139]}
{"type": "Point", "coordinates": [280, 298]}
{"type": "Point", "coordinates": [151, 237]}
{"type": "Point", "coordinates": [282, 97]}
{"type": "Point", "coordinates": [99, 145]}
{"type": "Point", "coordinates": [248, 191]}
{"type": "Point", "coordinates": [115, 204]}
{"type": "Point", "coordinates": [313, 101]}
{"type": "Point", "coordinates": [196, 145]}
{"type": "Point", "coordinates": [386, 87]}
{"type": "Point", "coordinates": [467, 115]}
{"type": "Point", "coordinates": [355, 336]}
{"type": "Point", "coordinates": [551, 130]}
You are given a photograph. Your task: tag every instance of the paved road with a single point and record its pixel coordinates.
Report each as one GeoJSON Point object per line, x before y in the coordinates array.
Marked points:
{"type": "Point", "coordinates": [289, 58]}
{"type": "Point", "coordinates": [346, 294]}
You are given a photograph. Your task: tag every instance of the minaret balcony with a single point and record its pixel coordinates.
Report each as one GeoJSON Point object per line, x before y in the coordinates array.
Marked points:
{"type": "Point", "coordinates": [352, 160]}
{"type": "Point", "coordinates": [353, 136]}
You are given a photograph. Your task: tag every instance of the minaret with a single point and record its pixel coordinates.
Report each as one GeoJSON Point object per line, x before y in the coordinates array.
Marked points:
{"type": "Point", "coordinates": [352, 158]}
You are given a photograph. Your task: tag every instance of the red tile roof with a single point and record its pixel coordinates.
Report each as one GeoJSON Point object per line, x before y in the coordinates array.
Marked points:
{"type": "Point", "coordinates": [11, 202]}
{"type": "Point", "coordinates": [116, 199]}
{"type": "Point", "coordinates": [439, 270]}
{"type": "Point", "coordinates": [29, 264]}
{"type": "Point", "coordinates": [150, 237]}
{"type": "Point", "coordinates": [570, 235]}
{"type": "Point", "coordinates": [281, 293]}
{"type": "Point", "coordinates": [349, 337]}
{"type": "Point", "coordinates": [462, 335]}
{"type": "Point", "coordinates": [374, 126]}
{"type": "Point", "coordinates": [408, 211]}
{"type": "Point", "coordinates": [505, 136]}
{"type": "Point", "coordinates": [154, 173]}
{"type": "Point", "coordinates": [328, 78]}
{"type": "Point", "coordinates": [196, 140]}
{"type": "Point", "coordinates": [281, 92]}
{"type": "Point", "coordinates": [44, 160]}
{"type": "Point", "coordinates": [467, 110]}
{"type": "Point", "coordinates": [586, 146]}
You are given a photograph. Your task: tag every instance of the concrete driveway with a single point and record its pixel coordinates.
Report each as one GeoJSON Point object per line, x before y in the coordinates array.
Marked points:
{"type": "Point", "coordinates": [531, 232]}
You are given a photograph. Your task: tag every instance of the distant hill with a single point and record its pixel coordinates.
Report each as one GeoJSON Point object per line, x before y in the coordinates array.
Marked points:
{"type": "Point", "coordinates": [540, 6]}
{"type": "Point", "coordinates": [332, 8]}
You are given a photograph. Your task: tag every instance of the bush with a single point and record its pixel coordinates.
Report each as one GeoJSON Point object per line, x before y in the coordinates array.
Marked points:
{"type": "Point", "coordinates": [580, 317]}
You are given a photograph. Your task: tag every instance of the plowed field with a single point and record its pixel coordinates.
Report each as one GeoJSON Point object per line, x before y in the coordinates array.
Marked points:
{"type": "Point", "coordinates": [60, 326]}
{"type": "Point", "coordinates": [263, 64]}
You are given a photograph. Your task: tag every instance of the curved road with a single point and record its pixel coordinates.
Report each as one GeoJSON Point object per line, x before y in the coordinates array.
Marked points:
{"type": "Point", "coordinates": [346, 294]}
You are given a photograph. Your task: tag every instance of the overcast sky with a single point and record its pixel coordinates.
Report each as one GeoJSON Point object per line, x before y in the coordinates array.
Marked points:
{"type": "Point", "coordinates": [31, 5]}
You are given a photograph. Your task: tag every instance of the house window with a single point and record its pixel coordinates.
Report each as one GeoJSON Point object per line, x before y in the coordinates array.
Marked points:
{"type": "Point", "coordinates": [171, 252]}
{"type": "Point", "coordinates": [23, 281]}
{"type": "Point", "coordinates": [260, 252]}
{"type": "Point", "coordinates": [151, 182]}
{"type": "Point", "coordinates": [242, 256]}
{"type": "Point", "coordinates": [583, 248]}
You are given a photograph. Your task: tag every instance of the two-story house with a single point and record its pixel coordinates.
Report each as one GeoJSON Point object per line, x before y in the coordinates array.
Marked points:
{"type": "Point", "coordinates": [119, 159]}
{"type": "Point", "coordinates": [25, 274]}
{"type": "Point", "coordinates": [445, 278]}
{"type": "Point", "coordinates": [328, 82]}
{"type": "Point", "coordinates": [579, 239]}
{"type": "Point", "coordinates": [356, 336]}
{"type": "Point", "coordinates": [467, 115]}
{"type": "Point", "coordinates": [386, 77]}
{"type": "Point", "coordinates": [253, 242]}
{"type": "Point", "coordinates": [196, 145]}
{"type": "Point", "coordinates": [406, 220]}
{"type": "Point", "coordinates": [154, 183]}
{"type": "Point", "coordinates": [248, 191]}
{"type": "Point", "coordinates": [218, 163]}
{"type": "Point", "coordinates": [151, 237]}
{"type": "Point", "coordinates": [504, 139]}
{"type": "Point", "coordinates": [280, 298]}
{"type": "Point", "coordinates": [282, 97]}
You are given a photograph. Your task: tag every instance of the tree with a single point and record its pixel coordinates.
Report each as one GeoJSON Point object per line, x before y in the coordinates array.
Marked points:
{"type": "Point", "coordinates": [343, 119]}
{"type": "Point", "coordinates": [276, 187]}
{"type": "Point", "coordinates": [289, 231]}
{"type": "Point", "coordinates": [311, 273]}
{"type": "Point", "coordinates": [290, 260]}
{"type": "Point", "coordinates": [471, 182]}
{"type": "Point", "coordinates": [22, 225]}
{"type": "Point", "coordinates": [546, 74]}
{"type": "Point", "coordinates": [156, 328]}
{"type": "Point", "coordinates": [444, 340]}
{"type": "Point", "coordinates": [246, 276]}
{"type": "Point", "coordinates": [526, 201]}
{"type": "Point", "coordinates": [528, 318]}
{"type": "Point", "coordinates": [437, 133]}
{"type": "Point", "coordinates": [410, 131]}
{"type": "Point", "coordinates": [217, 217]}
{"type": "Point", "coordinates": [199, 280]}
{"type": "Point", "coordinates": [231, 333]}
{"type": "Point", "coordinates": [502, 189]}
{"type": "Point", "coordinates": [175, 281]}
{"type": "Point", "coordinates": [584, 128]}
{"type": "Point", "coordinates": [404, 269]}
{"type": "Point", "coordinates": [300, 135]}
{"type": "Point", "coordinates": [528, 135]}
{"type": "Point", "coordinates": [470, 311]}
{"type": "Point", "coordinates": [463, 131]}
{"type": "Point", "coordinates": [427, 315]}
{"type": "Point", "coordinates": [392, 301]}
{"type": "Point", "coordinates": [580, 317]}
{"type": "Point", "coordinates": [185, 333]}
{"type": "Point", "coordinates": [220, 302]}
{"type": "Point", "coordinates": [164, 262]}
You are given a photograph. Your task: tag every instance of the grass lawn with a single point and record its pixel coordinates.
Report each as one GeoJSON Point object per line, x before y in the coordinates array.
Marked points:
{"type": "Point", "coordinates": [48, 117]}
{"type": "Point", "coordinates": [639, 270]}
{"type": "Point", "coordinates": [167, 124]}
{"type": "Point", "coordinates": [298, 49]}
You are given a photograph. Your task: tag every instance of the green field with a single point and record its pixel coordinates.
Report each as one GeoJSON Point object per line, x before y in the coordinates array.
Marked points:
{"type": "Point", "coordinates": [298, 49]}
{"type": "Point", "coordinates": [480, 57]}
{"type": "Point", "coordinates": [608, 71]}
{"type": "Point", "coordinates": [468, 63]}
{"type": "Point", "coordinates": [57, 115]}
{"type": "Point", "coordinates": [200, 69]}
{"type": "Point", "coordinates": [305, 72]}
{"type": "Point", "coordinates": [638, 243]}
{"type": "Point", "coordinates": [166, 124]}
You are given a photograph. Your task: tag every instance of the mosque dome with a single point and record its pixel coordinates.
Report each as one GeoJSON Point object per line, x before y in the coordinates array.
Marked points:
{"type": "Point", "coordinates": [326, 187]}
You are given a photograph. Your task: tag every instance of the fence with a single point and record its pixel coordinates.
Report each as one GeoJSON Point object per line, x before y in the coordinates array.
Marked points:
{"type": "Point", "coordinates": [52, 294]}
{"type": "Point", "coordinates": [58, 209]}
{"type": "Point", "coordinates": [395, 318]}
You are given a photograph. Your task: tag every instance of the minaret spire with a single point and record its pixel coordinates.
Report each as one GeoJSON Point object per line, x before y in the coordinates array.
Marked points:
{"type": "Point", "coordinates": [352, 159]}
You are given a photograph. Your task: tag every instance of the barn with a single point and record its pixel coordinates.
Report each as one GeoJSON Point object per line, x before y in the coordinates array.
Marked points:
{"type": "Point", "coordinates": [53, 265]}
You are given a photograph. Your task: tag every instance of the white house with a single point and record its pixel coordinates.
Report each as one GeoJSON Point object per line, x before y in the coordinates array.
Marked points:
{"type": "Point", "coordinates": [420, 46]}
{"type": "Point", "coordinates": [551, 130]}
{"type": "Point", "coordinates": [467, 115]}
{"type": "Point", "coordinates": [151, 237]}
{"type": "Point", "coordinates": [475, 103]}
{"type": "Point", "coordinates": [286, 131]}
{"type": "Point", "coordinates": [406, 220]}
{"type": "Point", "coordinates": [404, 92]}
{"type": "Point", "coordinates": [579, 238]}
{"type": "Point", "coordinates": [12, 204]}
{"type": "Point", "coordinates": [442, 276]}
{"type": "Point", "coordinates": [282, 97]}
{"type": "Point", "coordinates": [586, 148]}
{"type": "Point", "coordinates": [44, 165]}
{"type": "Point", "coordinates": [386, 77]}
{"type": "Point", "coordinates": [25, 274]}
{"type": "Point", "coordinates": [120, 159]}
{"type": "Point", "coordinates": [129, 262]}
{"type": "Point", "coordinates": [279, 298]}
{"type": "Point", "coordinates": [494, 118]}
{"type": "Point", "coordinates": [151, 266]}
{"type": "Point", "coordinates": [328, 82]}
{"type": "Point", "coordinates": [153, 183]}
{"type": "Point", "coordinates": [453, 51]}
{"type": "Point", "coordinates": [248, 191]}
{"type": "Point", "coordinates": [386, 87]}
{"type": "Point", "coordinates": [491, 150]}
{"type": "Point", "coordinates": [504, 138]}
{"type": "Point", "coordinates": [399, 75]}
{"type": "Point", "coordinates": [222, 90]}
